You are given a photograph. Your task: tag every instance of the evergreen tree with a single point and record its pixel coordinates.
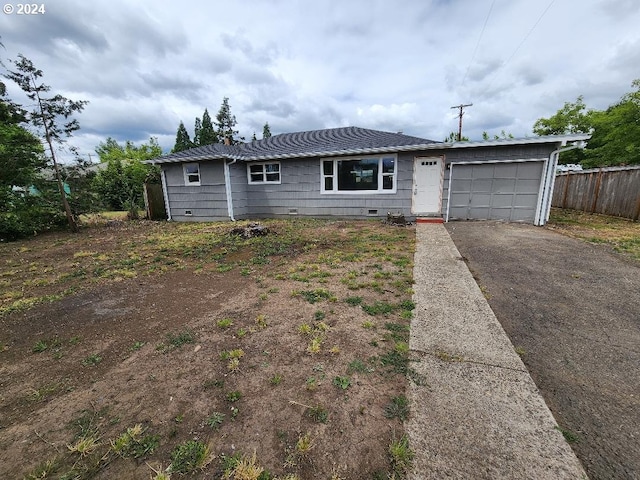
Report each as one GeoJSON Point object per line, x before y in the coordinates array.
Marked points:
{"type": "Point", "coordinates": [183, 142]}
{"type": "Point", "coordinates": [207, 133]}
{"type": "Point", "coordinates": [266, 131]}
{"type": "Point", "coordinates": [197, 132]}
{"type": "Point", "coordinates": [225, 123]}
{"type": "Point", "coordinates": [253, 137]}
{"type": "Point", "coordinates": [51, 116]}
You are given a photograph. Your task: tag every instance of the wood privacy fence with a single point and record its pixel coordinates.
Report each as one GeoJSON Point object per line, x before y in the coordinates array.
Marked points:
{"type": "Point", "coordinates": [154, 201]}
{"type": "Point", "coordinates": [610, 190]}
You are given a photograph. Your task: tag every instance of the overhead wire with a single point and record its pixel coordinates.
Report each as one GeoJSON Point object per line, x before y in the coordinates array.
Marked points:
{"type": "Point", "coordinates": [475, 50]}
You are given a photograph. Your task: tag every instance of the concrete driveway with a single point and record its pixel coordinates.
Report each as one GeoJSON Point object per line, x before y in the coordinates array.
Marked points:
{"type": "Point", "coordinates": [477, 414]}
{"type": "Point", "coordinates": [572, 309]}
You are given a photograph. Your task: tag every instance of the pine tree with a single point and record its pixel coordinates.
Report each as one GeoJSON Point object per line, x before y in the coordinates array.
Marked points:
{"type": "Point", "coordinates": [253, 137]}
{"type": "Point", "coordinates": [225, 123]}
{"type": "Point", "coordinates": [207, 134]}
{"type": "Point", "coordinates": [266, 131]}
{"type": "Point", "coordinates": [183, 142]}
{"type": "Point", "coordinates": [197, 132]}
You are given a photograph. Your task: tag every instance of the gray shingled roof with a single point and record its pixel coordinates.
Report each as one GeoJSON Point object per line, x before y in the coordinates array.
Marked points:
{"type": "Point", "coordinates": [331, 141]}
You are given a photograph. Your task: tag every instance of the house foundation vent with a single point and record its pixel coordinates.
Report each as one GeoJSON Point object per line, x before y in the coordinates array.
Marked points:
{"type": "Point", "coordinates": [293, 211]}
{"type": "Point", "coordinates": [188, 213]}
{"type": "Point", "coordinates": [372, 212]}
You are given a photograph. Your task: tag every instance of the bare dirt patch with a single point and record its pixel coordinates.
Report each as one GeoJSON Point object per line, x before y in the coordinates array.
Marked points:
{"type": "Point", "coordinates": [571, 309]}
{"type": "Point", "coordinates": [291, 345]}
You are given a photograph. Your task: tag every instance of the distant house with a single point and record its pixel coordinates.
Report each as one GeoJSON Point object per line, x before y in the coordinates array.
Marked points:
{"type": "Point", "coordinates": [357, 172]}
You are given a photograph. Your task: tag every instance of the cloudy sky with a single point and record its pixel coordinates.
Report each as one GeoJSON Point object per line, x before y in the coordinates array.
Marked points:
{"type": "Point", "coordinates": [395, 65]}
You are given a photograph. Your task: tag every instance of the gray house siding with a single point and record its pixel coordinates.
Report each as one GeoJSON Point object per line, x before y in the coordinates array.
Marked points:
{"type": "Point", "coordinates": [299, 193]}
{"type": "Point", "coordinates": [206, 202]}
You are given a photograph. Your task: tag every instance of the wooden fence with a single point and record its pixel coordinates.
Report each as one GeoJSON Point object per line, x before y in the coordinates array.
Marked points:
{"type": "Point", "coordinates": [609, 190]}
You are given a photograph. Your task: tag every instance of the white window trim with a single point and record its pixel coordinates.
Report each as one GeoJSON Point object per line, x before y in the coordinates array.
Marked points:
{"type": "Point", "coordinates": [380, 190]}
{"type": "Point", "coordinates": [186, 176]}
{"type": "Point", "coordinates": [264, 180]}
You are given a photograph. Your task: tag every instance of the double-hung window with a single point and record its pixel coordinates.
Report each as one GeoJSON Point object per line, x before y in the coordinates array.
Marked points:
{"type": "Point", "coordinates": [266, 172]}
{"type": "Point", "coordinates": [191, 174]}
{"type": "Point", "coordinates": [375, 174]}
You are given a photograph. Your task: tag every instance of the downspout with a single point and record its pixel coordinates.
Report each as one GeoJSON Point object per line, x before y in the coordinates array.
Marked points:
{"type": "Point", "coordinates": [446, 219]}
{"type": "Point", "coordinates": [549, 181]}
{"type": "Point", "coordinates": [227, 184]}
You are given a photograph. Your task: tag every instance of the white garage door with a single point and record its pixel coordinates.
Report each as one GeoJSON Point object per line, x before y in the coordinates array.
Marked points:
{"type": "Point", "coordinates": [495, 191]}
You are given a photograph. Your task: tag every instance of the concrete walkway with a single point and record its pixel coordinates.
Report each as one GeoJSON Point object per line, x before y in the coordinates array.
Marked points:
{"type": "Point", "coordinates": [479, 415]}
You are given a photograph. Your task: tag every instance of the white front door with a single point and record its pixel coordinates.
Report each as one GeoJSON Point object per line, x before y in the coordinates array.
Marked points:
{"type": "Point", "coordinates": [427, 185]}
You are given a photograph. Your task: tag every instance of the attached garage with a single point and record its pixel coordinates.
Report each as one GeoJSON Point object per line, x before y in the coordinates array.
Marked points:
{"type": "Point", "coordinates": [507, 191]}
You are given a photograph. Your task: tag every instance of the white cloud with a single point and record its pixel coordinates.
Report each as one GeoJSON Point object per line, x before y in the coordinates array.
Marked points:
{"type": "Point", "coordinates": [306, 65]}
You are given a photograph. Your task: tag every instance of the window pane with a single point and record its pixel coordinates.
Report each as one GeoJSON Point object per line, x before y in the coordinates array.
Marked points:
{"type": "Point", "coordinates": [256, 177]}
{"type": "Point", "coordinates": [273, 177]}
{"type": "Point", "coordinates": [191, 178]}
{"type": "Point", "coordinates": [191, 169]}
{"type": "Point", "coordinates": [387, 182]}
{"type": "Point", "coordinates": [388, 165]}
{"type": "Point", "coordinates": [358, 174]}
{"type": "Point", "coordinates": [327, 167]}
{"type": "Point", "coordinates": [328, 183]}
{"type": "Point", "coordinates": [255, 169]}
{"type": "Point", "coordinates": [272, 167]}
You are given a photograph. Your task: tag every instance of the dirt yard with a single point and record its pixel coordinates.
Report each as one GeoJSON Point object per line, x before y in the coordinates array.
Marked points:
{"type": "Point", "coordinates": [138, 347]}
{"type": "Point", "coordinates": [572, 310]}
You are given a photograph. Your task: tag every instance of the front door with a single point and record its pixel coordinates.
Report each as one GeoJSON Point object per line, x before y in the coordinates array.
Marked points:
{"type": "Point", "coordinates": [427, 185]}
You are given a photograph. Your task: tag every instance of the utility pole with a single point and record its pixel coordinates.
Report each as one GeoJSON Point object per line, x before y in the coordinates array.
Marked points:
{"type": "Point", "coordinates": [460, 107]}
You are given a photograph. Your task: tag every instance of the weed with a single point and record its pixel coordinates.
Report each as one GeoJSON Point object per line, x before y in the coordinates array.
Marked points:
{"type": "Point", "coordinates": [369, 324]}
{"type": "Point", "coordinates": [304, 445]}
{"type": "Point", "coordinates": [342, 382]}
{"type": "Point", "coordinates": [568, 435]}
{"type": "Point", "coordinates": [236, 353]}
{"type": "Point", "coordinates": [44, 470]}
{"type": "Point", "coordinates": [319, 315]}
{"type": "Point", "coordinates": [276, 379]}
{"type": "Point", "coordinates": [244, 468]}
{"type": "Point", "coordinates": [407, 305]}
{"type": "Point", "coordinates": [398, 408]}
{"type": "Point", "coordinates": [305, 329]}
{"type": "Point", "coordinates": [401, 457]}
{"type": "Point", "coordinates": [335, 350]}
{"type": "Point", "coordinates": [233, 365]}
{"type": "Point", "coordinates": [133, 444]}
{"type": "Point", "coordinates": [43, 392]}
{"type": "Point", "coordinates": [40, 346]}
{"type": "Point", "coordinates": [160, 474]}
{"type": "Point", "coordinates": [261, 321]}
{"type": "Point", "coordinates": [85, 446]}
{"type": "Point", "coordinates": [359, 366]}
{"type": "Point", "coordinates": [448, 357]}
{"type": "Point", "coordinates": [233, 396]}
{"type": "Point", "coordinates": [318, 414]}
{"type": "Point", "coordinates": [137, 346]}
{"type": "Point", "coordinates": [177, 340]}
{"type": "Point", "coordinates": [213, 383]}
{"type": "Point", "coordinates": [314, 345]}
{"type": "Point", "coordinates": [190, 456]}
{"type": "Point", "coordinates": [241, 332]}
{"type": "Point", "coordinates": [311, 383]}
{"type": "Point", "coordinates": [398, 331]}
{"type": "Point", "coordinates": [215, 420]}
{"type": "Point", "coordinates": [224, 323]}
{"type": "Point", "coordinates": [379, 308]}
{"type": "Point", "coordinates": [92, 360]}
{"type": "Point", "coordinates": [314, 296]}
{"type": "Point", "coordinates": [402, 348]}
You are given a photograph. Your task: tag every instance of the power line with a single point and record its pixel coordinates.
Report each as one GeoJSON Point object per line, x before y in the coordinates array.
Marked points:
{"type": "Point", "coordinates": [475, 50]}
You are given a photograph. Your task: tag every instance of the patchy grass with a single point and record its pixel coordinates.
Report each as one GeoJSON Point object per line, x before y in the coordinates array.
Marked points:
{"type": "Point", "coordinates": [621, 233]}
{"type": "Point", "coordinates": [282, 345]}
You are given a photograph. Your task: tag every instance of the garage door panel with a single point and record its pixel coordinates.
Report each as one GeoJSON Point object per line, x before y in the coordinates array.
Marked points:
{"type": "Point", "coordinates": [504, 185]}
{"type": "Point", "coordinates": [482, 185]}
{"type": "Point", "coordinates": [496, 191]}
